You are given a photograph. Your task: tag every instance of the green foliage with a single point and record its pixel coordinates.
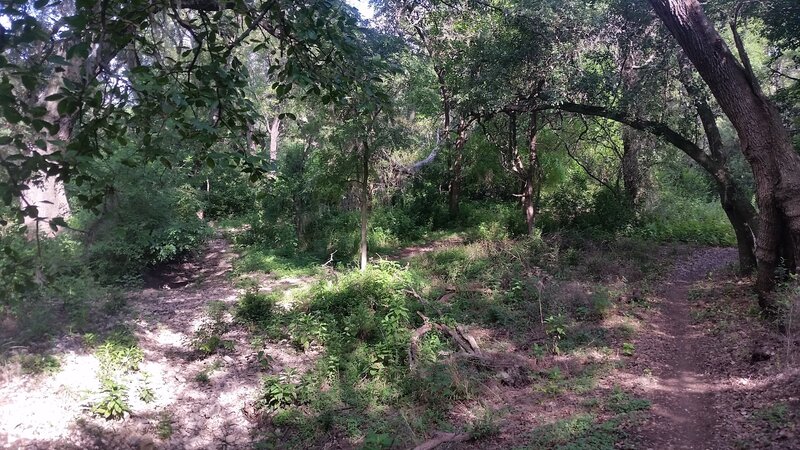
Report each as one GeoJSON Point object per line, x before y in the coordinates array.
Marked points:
{"type": "Point", "coordinates": [306, 329]}
{"type": "Point", "coordinates": [256, 308]}
{"type": "Point", "coordinates": [119, 353]}
{"type": "Point", "coordinates": [620, 402]}
{"type": "Point", "coordinates": [113, 404]}
{"type": "Point", "coordinates": [628, 349]}
{"type": "Point", "coordinates": [37, 364]}
{"type": "Point", "coordinates": [207, 339]}
{"type": "Point", "coordinates": [153, 220]}
{"type": "Point", "coordinates": [164, 426]}
{"type": "Point", "coordinates": [581, 432]}
{"type": "Point", "coordinates": [279, 391]}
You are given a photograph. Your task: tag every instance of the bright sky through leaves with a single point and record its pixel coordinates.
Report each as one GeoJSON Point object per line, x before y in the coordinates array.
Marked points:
{"type": "Point", "coordinates": [364, 8]}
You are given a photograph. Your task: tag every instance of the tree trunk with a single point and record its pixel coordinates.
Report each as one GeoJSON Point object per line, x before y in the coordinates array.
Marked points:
{"type": "Point", "coordinates": [531, 188]}
{"type": "Point", "coordinates": [364, 206]}
{"type": "Point", "coordinates": [631, 171]}
{"type": "Point", "coordinates": [274, 133]}
{"type": "Point", "coordinates": [737, 207]}
{"type": "Point", "coordinates": [765, 141]}
{"type": "Point", "coordinates": [46, 192]}
{"type": "Point", "coordinates": [631, 139]}
{"type": "Point", "coordinates": [454, 194]}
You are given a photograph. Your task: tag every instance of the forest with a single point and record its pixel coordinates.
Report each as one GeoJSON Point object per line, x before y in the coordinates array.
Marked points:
{"type": "Point", "coordinates": [399, 224]}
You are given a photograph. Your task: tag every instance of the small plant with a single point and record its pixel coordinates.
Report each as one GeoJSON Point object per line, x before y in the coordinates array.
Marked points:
{"type": "Point", "coordinates": [34, 364]}
{"type": "Point", "coordinates": [208, 340]}
{"type": "Point", "coordinates": [628, 349]}
{"type": "Point", "coordinates": [776, 416]}
{"type": "Point", "coordinates": [116, 357]}
{"type": "Point", "coordinates": [164, 427]}
{"type": "Point", "coordinates": [146, 393]}
{"type": "Point", "coordinates": [255, 308]}
{"type": "Point", "coordinates": [556, 328]}
{"type": "Point", "coordinates": [306, 329]}
{"type": "Point", "coordinates": [202, 377]}
{"type": "Point", "coordinates": [279, 391]}
{"type": "Point", "coordinates": [114, 403]}
{"type": "Point", "coordinates": [484, 427]}
{"type": "Point", "coordinates": [621, 402]}
{"type": "Point", "coordinates": [377, 441]}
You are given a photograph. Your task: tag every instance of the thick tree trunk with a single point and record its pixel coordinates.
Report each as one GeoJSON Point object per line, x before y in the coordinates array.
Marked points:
{"type": "Point", "coordinates": [454, 193]}
{"type": "Point", "coordinates": [765, 141]}
{"type": "Point", "coordinates": [46, 192]}
{"type": "Point", "coordinates": [274, 133]}
{"type": "Point", "coordinates": [530, 192]}
{"type": "Point", "coordinates": [364, 206]}
{"type": "Point", "coordinates": [631, 170]}
{"type": "Point", "coordinates": [632, 143]}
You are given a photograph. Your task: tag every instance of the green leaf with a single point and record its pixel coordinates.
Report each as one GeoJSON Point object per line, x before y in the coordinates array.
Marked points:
{"type": "Point", "coordinates": [29, 81]}
{"type": "Point", "coordinates": [165, 162]}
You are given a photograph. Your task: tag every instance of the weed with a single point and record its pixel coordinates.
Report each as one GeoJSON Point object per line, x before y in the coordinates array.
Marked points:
{"type": "Point", "coordinates": [113, 404]}
{"type": "Point", "coordinates": [485, 426]}
{"type": "Point", "coordinates": [580, 432]}
{"type": "Point", "coordinates": [776, 416]}
{"type": "Point", "coordinates": [164, 427]}
{"type": "Point", "coordinates": [255, 308]}
{"type": "Point", "coordinates": [556, 329]}
{"type": "Point", "coordinates": [306, 329]}
{"type": "Point", "coordinates": [621, 402]}
{"type": "Point", "coordinates": [208, 340]}
{"type": "Point", "coordinates": [279, 391]}
{"type": "Point", "coordinates": [628, 349]}
{"type": "Point", "coordinates": [202, 377]}
{"type": "Point", "coordinates": [113, 357]}
{"type": "Point", "coordinates": [35, 364]}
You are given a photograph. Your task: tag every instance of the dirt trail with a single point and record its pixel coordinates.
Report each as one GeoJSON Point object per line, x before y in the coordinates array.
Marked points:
{"type": "Point", "coordinates": [671, 350]}
{"type": "Point", "coordinates": [189, 413]}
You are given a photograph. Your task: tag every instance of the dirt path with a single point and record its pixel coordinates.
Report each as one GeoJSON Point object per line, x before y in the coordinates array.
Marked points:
{"type": "Point", "coordinates": [671, 352]}
{"type": "Point", "coordinates": [188, 411]}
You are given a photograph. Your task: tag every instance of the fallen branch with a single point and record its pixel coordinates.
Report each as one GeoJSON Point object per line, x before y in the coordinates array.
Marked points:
{"type": "Point", "coordinates": [460, 337]}
{"type": "Point", "coordinates": [330, 260]}
{"type": "Point", "coordinates": [441, 438]}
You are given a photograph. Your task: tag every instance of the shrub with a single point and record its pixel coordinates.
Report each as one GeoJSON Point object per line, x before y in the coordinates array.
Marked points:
{"type": "Point", "coordinates": [256, 308]}
{"type": "Point", "coordinates": [113, 404]}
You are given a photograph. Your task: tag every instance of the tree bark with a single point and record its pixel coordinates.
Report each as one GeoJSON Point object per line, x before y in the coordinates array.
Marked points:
{"type": "Point", "coordinates": [364, 206]}
{"type": "Point", "coordinates": [531, 188]}
{"type": "Point", "coordinates": [454, 193]}
{"type": "Point", "coordinates": [737, 207]}
{"type": "Point", "coordinates": [764, 139]}
{"type": "Point", "coordinates": [274, 133]}
{"type": "Point", "coordinates": [631, 140]}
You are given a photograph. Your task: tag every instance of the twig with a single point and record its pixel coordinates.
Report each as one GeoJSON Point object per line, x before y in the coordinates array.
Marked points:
{"type": "Point", "coordinates": [330, 260]}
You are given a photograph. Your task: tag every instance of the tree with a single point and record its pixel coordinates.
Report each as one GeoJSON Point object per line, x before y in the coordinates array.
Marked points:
{"type": "Point", "coordinates": [74, 80]}
{"type": "Point", "coordinates": [764, 139]}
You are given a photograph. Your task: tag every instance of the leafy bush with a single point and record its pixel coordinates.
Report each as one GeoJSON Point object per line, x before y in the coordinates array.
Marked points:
{"type": "Point", "coordinates": [147, 220]}
{"type": "Point", "coordinates": [279, 391]}
{"type": "Point", "coordinates": [255, 307]}
{"type": "Point", "coordinates": [113, 404]}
